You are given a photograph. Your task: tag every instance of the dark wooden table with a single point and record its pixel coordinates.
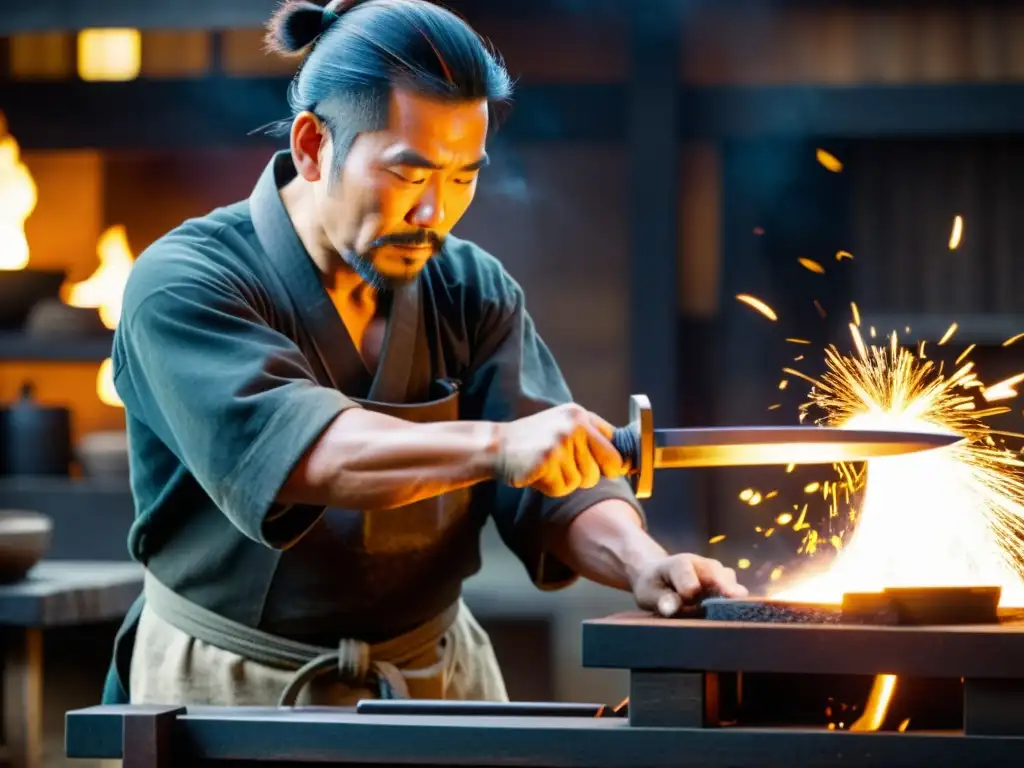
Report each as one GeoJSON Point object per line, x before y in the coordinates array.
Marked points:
{"type": "Point", "coordinates": [246, 737]}
{"type": "Point", "coordinates": [54, 594]}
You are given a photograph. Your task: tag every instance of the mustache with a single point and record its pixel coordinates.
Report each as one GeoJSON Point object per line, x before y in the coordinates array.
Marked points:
{"type": "Point", "coordinates": [418, 239]}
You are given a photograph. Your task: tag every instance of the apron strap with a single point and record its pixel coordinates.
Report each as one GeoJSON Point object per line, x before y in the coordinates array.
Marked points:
{"type": "Point", "coordinates": [354, 661]}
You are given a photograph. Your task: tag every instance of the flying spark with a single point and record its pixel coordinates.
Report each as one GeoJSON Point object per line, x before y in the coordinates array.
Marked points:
{"type": "Point", "coordinates": [812, 265]}
{"type": "Point", "coordinates": [948, 517]}
{"type": "Point", "coordinates": [957, 234]}
{"type": "Point", "coordinates": [829, 161]}
{"type": "Point", "coordinates": [1013, 339]}
{"type": "Point", "coordinates": [760, 306]}
{"type": "Point", "coordinates": [840, 255]}
{"type": "Point", "coordinates": [948, 334]}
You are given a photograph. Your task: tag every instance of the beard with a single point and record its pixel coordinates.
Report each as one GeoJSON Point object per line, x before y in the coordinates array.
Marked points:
{"type": "Point", "coordinates": [362, 263]}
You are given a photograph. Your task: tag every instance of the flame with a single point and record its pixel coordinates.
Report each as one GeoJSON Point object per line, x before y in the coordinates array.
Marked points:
{"type": "Point", "coordinates": [104, 290]}
{"type": "Point", "coordinates": [947, 517]}
{"type": "Point", "coordinates": [105, 389]}
{"type": "Point", "coordinates": [18, 197]}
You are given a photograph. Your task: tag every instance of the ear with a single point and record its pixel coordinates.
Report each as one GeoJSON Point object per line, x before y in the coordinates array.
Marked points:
{"type": "Point", "coordinates": [308, 140]}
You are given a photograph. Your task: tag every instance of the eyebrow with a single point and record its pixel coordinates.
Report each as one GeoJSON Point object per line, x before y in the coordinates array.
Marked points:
{"type": "Point", "coordinates": [411, 159]}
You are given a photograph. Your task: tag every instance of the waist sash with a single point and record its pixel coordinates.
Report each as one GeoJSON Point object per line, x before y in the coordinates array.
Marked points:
{"type": "Point", "coordinates": [354, 661]}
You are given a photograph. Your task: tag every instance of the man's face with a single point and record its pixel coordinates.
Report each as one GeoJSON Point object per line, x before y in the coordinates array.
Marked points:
{"type": "Point", "coordinates": [401, 190]}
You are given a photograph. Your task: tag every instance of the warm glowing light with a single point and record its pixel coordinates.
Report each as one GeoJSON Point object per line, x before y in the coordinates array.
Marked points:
{"type": "Point", "coordinates": [716, 539]}
{"type": "Point", "coordinates": [759, 305]}
{"type": "Point", "coordinates": [840, 255]}
{"type": "Point", "coordinates": [947, 517]}
{"type": "Point", "coordinates": [105, 385]}
{"type": "Point", "coordinates": [18, 197]}
{"type": "Point", "coordinates": [109, 54]}
{"type": "Point", "coordinates": [957, 233]}
{"type": "Point", "coordinates": [948, 334]}
{"type": "Point", "coordinates": [828, 161]}
{"type": "Point", "coordinates": [104, 288]}
{"type": "Point", "coordinates": [812, 265]}
{"type": "Point", "coordinates": [878, 704]}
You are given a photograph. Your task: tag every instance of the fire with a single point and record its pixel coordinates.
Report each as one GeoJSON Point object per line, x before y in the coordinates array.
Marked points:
{"type": "Point", "coordinates": [947, 517]}
{"type": "Point", "coordinates": [18, 197]}
{"type": "Point", "coordinates": [104, 290]}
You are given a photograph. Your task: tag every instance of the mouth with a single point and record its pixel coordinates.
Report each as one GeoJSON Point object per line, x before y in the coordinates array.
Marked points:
{"type": "Point", "coordinates": [414, 248]}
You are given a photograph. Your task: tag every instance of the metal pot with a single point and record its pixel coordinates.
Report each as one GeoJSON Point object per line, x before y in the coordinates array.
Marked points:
{"type": "Point", "coordinates": [25, 538]}
{"type": "Point", "coordinates": [34, 440]}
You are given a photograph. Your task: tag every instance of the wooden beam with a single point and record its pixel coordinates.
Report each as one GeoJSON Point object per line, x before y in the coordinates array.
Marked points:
{"type": "Point", "coordinates": [181, 114]}
{"type": "Point", "coordinates": [54, 15]}
{"type": "Point", "coordinates": [863, 111]}
{"type": "Point", "coordinates": [215, 110]}
{"type": "Point", "coordinates": [652, 134]}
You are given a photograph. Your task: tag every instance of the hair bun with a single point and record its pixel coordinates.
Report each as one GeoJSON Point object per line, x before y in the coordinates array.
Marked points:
{"type": "Point", "coordinates": [296, 24]}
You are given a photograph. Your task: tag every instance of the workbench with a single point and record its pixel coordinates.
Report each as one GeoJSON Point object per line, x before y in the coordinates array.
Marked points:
{"type": "Point", "coordinates": [172, 737]}
{"type": "Point", "coordinates": [53, 594]}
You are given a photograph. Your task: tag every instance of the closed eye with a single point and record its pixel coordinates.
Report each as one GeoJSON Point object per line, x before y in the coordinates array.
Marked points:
{"type": "Point", "coordinates": [402, 178]}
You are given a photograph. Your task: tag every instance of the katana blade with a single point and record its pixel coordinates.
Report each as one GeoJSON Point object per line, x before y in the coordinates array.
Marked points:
{"type": "Point", "coordinates": [645, 449]}
{"type": "Point", "coordinates": [746, 446]}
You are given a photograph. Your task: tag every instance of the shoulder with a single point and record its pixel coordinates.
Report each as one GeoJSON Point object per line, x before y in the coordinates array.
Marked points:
{"type": "Point", "coordinates": [478, 278]}
{"type": "Point", "coordinates": [202, 257]}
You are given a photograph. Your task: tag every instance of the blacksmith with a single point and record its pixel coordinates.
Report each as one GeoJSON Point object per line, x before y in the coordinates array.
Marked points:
{"type": "Point", "coordinates": [328, 396]}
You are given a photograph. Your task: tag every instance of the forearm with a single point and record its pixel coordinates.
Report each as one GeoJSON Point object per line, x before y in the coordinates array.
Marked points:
{"type": "Point", "coordinates": [371, 461]}
{"type": "Point", "coordinates": [606, 543]}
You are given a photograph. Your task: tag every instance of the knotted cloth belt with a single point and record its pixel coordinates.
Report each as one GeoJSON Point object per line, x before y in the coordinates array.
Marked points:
{"type": "Point", "coordinates": [355, 662]}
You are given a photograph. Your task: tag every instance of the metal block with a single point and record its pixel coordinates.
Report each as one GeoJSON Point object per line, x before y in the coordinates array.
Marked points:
{"type": "Point", "coordinates": [659, 699]}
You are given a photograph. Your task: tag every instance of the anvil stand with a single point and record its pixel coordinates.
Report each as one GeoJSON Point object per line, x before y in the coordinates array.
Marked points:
{"type": "Point", "coordinates": [679, 669]}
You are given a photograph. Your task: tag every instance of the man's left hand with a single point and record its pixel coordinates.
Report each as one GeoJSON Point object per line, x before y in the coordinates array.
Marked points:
{"type": "Point", "coordinates": [676, 580]}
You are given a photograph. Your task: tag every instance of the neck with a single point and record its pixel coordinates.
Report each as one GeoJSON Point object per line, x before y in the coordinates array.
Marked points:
{"type": "Point", "coordinates": [297, 196]}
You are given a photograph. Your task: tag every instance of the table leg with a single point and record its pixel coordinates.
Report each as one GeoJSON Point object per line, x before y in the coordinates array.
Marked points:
{"type": "Point", "coordinates": [23, 697]}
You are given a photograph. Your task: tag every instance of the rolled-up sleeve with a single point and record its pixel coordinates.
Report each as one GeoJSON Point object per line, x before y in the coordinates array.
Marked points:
{"type": "Point", "coordinates": [514, 375]}
{"type": "Point", "coordinates": [234, 399]}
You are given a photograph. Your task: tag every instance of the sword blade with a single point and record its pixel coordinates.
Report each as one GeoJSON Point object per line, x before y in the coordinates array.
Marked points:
{"type": "Point", "coordinates": [747, 446]}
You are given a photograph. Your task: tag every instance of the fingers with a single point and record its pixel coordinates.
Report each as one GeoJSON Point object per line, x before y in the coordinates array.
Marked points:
{"type": "Point", "coordinates": [589, 471]}
{"type": "Point", "coordinates": [565, 457]}
{"type": "Point", "coordinates": [686, 579]}
{"type": "Point", "coordinates": [682, 576]}
{"type": "Point", "coordinates": [608, 459]}
{"type": "Point", "coordinates": [715, 577]}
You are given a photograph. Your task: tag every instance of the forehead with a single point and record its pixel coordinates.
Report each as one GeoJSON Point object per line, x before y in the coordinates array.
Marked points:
{"type": "Point", "coordinates": [443, 131]}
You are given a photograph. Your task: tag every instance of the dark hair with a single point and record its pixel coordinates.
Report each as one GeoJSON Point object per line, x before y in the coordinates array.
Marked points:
{"type": "Point", "coordinates": [358, 50]}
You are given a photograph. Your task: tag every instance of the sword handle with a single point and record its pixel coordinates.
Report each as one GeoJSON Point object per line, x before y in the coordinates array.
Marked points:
{"type": "Point", "coordinates": [635, 443]}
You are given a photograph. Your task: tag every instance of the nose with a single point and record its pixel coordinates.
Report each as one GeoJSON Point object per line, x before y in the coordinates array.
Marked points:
{"type": "Point", "coordinates": [428, 213]}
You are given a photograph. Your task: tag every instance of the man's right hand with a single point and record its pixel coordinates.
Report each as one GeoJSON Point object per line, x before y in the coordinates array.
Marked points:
{"type": "Point", "coordinates": [557, 451]}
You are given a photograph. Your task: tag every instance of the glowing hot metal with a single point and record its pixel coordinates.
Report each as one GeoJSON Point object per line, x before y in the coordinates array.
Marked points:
{"type": "Point", "coordinates": [646, 449]}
